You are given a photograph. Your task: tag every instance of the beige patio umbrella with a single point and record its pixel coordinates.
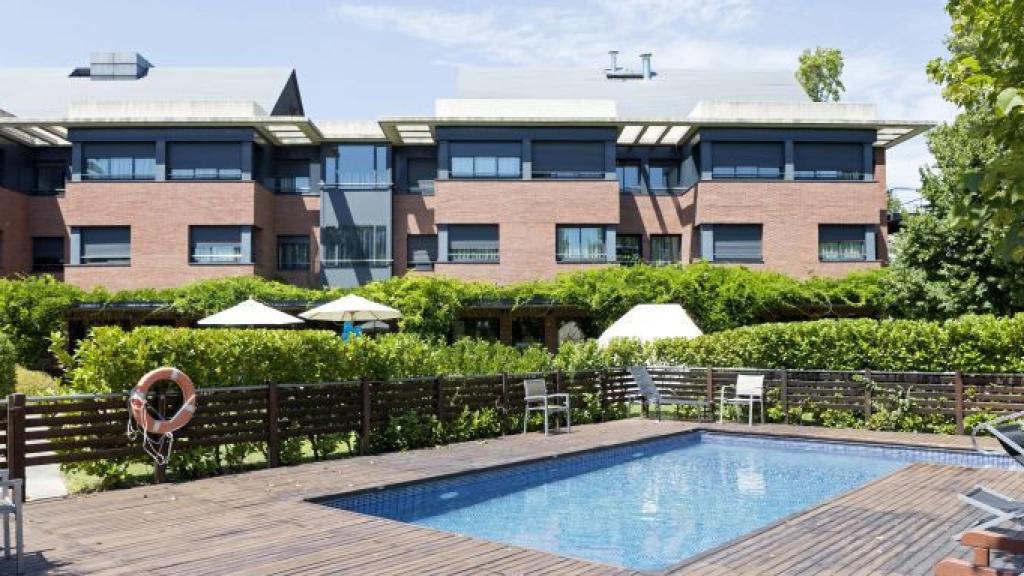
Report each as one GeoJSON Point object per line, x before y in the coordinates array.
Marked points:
{"type": "Point", "coordinates": [250, 313]}
{"type": "Point", "coordinates": [351, 308]}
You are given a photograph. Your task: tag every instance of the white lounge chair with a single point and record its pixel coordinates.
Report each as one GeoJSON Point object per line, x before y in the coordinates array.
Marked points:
{"type": "Point", "coordinates": [538, 400]}
{"type": "Point", "coordinates": [749, 391]}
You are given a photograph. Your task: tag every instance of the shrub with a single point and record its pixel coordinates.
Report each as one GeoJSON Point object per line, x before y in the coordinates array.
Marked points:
{"type": "Point", "coordinates": [30, 309]}
{"type": "Point", "coordinates": [8, 374]}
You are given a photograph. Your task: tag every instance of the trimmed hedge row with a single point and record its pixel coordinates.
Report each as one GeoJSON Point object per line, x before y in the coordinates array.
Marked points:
{"type": "Point", "coordinates": [718, 297]}
{"type": "Point", "coordinates": [112, 359]}
{"type": "Point", "coordinates": [8, 357]}
{"type": "Point", "coordinates": [968, 343]}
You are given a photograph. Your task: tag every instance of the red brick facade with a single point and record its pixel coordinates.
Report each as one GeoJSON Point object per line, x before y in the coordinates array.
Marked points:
{"type": "Point", "coordinates": [15, 240]}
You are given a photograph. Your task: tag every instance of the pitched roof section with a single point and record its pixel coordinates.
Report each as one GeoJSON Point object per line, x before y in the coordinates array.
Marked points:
{"type": "Point", "coordinates": [671, 93]}
{"type": "Point", "coordinates": [51, 92]}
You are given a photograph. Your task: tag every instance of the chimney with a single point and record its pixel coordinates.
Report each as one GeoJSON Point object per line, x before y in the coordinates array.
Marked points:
{"type": "Point", "coordinates": [614, 54]}
{"type": "Point", "coordinates": [645, 60]}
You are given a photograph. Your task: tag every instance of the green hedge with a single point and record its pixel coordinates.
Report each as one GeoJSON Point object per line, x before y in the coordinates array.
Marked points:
{"type": "Point", "coordinates": [969, 343]}
{"type": "Point", "coordinates": [112, 360]}
{"type": "Point", "coordinates": [718, 297]}
{"type": "Point", "coordinates": [8, 357]}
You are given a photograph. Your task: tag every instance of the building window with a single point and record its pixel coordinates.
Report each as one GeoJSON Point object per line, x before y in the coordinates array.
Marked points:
{"type": "Point", "coordinates": [419, 175]}
{"type": "Point", "coordinates": [482, 328]}
{"type": "Point", "coordinates": [355, 244]}
{"type": "Point", "coordinates": [50, 178]}
{"type": "Point", "coordinates": [568, 160]}
{"type": "Point", "coordinates": [663, 176]}
{"type": "Point", "coordinates": [357, 166]}
{"type": "Point", "coordinates": [828, 161]}
{"type": "Point", "coordinates": [627, 248]}
{"type": "Point", "coordinates": [219, 245]}
{"type": "Point", "coordinates": [293, 177]}
{"type": "Point", "coordinates": [119, 160]}
{"type": "Point", "coordinates": [476, 243]}
{"type": "Point", "coordinates": [736, 243]}
{"type": "Point", "coordinates": [486, 159]}
{"type": "Point", "coordinates": [747, 160]}
{"type": "Point", "coordinates": [845, 243]}
{"type": "Point", "coordinates": [665, 248]}
{"type": "Point", "coordinates": [628, 174]}
{"type": "Point", "coordinates": [422, 251]}
{"type": "Point", "coordinates": [105, 245]}
{"type": "Point", "coordinates": [293, 252]}
{"type": "Point", "coordinates": [580, 244]}
{"type": "Point", "coordinates": [48, 254]}
{"type": "Point", "coordinates": [204, 160]}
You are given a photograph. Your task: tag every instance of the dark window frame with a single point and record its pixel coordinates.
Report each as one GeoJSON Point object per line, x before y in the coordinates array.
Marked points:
{"type": "Point", "coordinates": [83, 232]}
{"type": "Point", "coordinates": [678, 249]}
{"type": "Point", "coordinates": [349, 244]}
{"type": "Point", "coordinates": [286, 264]}
{"type": "Point", "coordinates": [738, 259]}
{"type": "Point", "coordinates": [639, 249]}
{"type": "Point", "coordinates": [205, 173]}
{"type": "Point", "coordinates": [212, 259]}
{"type": "Point", "coordinates": [479, 255]}
{"type": "Point", "coordinates": [413, 264]}
{"type": "Point", "coordinates": [143, 167]}
{"type": "Point", "coordinates": [861, 238]}
{"type": "Point", "coordinates": [620, 176]}
{"type": "Point", "coordinates": [562, 258]}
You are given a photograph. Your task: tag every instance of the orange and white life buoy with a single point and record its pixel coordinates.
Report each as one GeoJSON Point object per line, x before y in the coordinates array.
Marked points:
{"type": "Point", "coordinates": [137, 402]}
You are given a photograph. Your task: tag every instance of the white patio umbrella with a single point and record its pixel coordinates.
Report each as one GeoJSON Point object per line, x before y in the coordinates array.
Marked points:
{"type": "Point", "coordinates": [351, 308]}
{"type": "Point", "coordinates": [646, 322]}
{"type": "Point", "coordinates": [250, 313]}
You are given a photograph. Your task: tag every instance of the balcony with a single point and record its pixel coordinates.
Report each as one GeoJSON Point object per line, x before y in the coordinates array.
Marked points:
{"type": "Point", "coordinates": [361, 180]}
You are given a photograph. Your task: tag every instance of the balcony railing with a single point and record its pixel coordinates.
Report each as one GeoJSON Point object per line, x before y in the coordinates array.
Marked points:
{"type": "Point", "coordinates": [293, 185]}
{"type": "Point", "coordinates": [368, 179]}
{"type": "Point", "coordinates": [828, 175]}
{"type": "Point", "coordinates": [742, 172]}
{"type": "Point", "coordinates": [481, 255]}
{"type": "Point", "coordinates": [568, 175]}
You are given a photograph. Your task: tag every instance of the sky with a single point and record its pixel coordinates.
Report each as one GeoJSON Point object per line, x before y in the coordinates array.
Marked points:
{"type": "Point", "coordinates": [365, 59]}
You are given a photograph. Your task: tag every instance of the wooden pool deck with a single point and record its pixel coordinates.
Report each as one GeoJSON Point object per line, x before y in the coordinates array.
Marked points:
{"type": "Point", "coordinates": [261, 522]}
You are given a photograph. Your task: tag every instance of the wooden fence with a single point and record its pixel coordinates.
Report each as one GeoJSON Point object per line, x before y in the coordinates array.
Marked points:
{"type": "Point", "coordinates": [77, 428]}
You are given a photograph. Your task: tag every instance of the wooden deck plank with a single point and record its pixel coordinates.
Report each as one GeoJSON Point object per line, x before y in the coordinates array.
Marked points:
{"type": "Point", "coordinates": [260, 522]}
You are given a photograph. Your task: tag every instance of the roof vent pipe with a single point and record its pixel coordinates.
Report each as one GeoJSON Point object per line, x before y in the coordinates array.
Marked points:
{"type": "Point", "coordinates": [645, 60]}
{"type": "Point", "coordinates": [614, 54]}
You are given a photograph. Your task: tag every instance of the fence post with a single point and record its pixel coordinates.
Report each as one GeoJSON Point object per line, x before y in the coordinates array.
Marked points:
{"type": "Point", "coordinates": [160, 470]}
{"type": "Point", "coordinates": [364, 433]}
{"type": "Point", "coordinates": [710, 385]}
{"type": "Point", "coordinates": [273, 426]}
{"type": "Point", "coordinates": [958, 394]}
{"type": "Point", "coordinates": [602, 383]}
{"type": "Point", "coordinates": [439, 398]}
{"type": "Point", "coordinates": [16, 437]}
{"type": "Point", "coordinates": [784, 394]}
{"type": "Point", "coordinates": [867, 394]}
{"type": "Point", "coordinates": [504, 402]}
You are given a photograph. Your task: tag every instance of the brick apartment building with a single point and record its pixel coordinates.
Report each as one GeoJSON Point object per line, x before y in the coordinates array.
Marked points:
{"type": "Point", "coordinates": [124, 174]}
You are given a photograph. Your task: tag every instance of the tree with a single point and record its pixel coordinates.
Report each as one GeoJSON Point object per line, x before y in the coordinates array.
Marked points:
{"type": "Point", "coordinates": [939, 268]}
{"type": "Point", "coordinates": [819, 73]}
{"type": "Point", "coordinates": [984, 74]}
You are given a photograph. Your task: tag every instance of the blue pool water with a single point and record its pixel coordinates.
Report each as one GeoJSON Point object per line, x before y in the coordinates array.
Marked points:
{"type": "Point", "coordinates": [645, 506]}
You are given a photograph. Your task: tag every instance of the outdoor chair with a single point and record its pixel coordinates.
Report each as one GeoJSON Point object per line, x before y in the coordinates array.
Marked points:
{"type": "Point", "coordinates": [650, 394]}
{"type": "Point", "coordinates": [538, 400]}
{"type": "Point", "coordinates": [749, 391]}
{"type": "Point", "coordinates": [11, 505]}
{"type": "Point", "coordinates": [1001, 508]}
{"type": "Point", "coordinates": [983, 543]}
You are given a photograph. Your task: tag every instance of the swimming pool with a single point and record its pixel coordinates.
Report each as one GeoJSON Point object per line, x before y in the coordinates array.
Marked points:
{"type": "Point", "coordinates": [649, 505]}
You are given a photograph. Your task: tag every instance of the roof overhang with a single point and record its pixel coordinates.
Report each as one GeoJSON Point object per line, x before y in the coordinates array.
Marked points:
{"type": "Point", "coordinates": [42, 132]}
{"type": "Point", "coordinates": [408, 131]}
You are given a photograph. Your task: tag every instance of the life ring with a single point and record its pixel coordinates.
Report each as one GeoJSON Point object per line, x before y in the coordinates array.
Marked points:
{"type": "Point", "coordinates": [138, 402]}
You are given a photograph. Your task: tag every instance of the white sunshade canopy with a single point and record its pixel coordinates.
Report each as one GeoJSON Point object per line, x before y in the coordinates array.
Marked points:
{"type": "Point", "coordinates": [351, 308]}
{"type": "Point", "coordinates": [647, 322]}
{"type": "Point", "coordinates": [250, 313]}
